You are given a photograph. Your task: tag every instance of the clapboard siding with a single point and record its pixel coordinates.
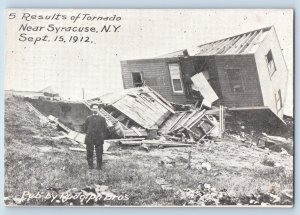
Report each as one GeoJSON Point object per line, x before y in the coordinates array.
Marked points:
{"type": "Point", "coordinates": [246, 64]}
{"type": "Point", "coordinates": [155, 74]}
{"type": "Point", "coordinates": [259, 88]}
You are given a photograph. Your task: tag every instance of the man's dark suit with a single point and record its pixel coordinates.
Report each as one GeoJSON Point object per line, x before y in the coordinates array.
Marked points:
{"type": "Point", "coordinates": [96, 130]}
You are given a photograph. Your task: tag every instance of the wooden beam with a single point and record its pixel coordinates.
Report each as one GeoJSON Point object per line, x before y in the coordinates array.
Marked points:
{"type": "Point", "coordinates": [247, 43]}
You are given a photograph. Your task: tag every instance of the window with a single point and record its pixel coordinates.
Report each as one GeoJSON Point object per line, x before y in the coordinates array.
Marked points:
{"type": "Point", "coordinates": [270, 63]}
{"type": "Point", "coordinates": [278, 100]}
{"type": "Point", "coordinates": [235, 80]}
{"type": "Point", "coordinates": [137, 79]}
{"type": "Point", "coordinates": [175, 77]}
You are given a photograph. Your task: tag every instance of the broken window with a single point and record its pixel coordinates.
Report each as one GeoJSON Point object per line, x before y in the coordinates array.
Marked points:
{"type": "Point", "coordinates": [137, 79]}
{"type": "Point", "coordinates": [278, 100]}
{"type": "Point", "coordinates": [235, 80]}
{"type": "Point", "coordinates": [174, 69]}
{"type": "Point", "coordinates": [270, 63]}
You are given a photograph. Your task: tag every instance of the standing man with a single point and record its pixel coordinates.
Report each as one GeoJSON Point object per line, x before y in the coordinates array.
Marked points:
{"type": "Point", "coordinates": [96, 130]}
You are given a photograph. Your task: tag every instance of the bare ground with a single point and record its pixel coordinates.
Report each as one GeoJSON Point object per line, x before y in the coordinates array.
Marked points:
{"type": "Point", "coordinates": [34, 163]}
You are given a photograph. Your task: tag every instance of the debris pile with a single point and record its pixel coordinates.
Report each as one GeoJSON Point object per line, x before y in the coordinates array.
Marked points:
{"type": "Point", "coordinates": [143, 118]}
{"type": "Point", "coordinates": [192, 126]}
{"type": "Point", "coordinates": [140, 110]}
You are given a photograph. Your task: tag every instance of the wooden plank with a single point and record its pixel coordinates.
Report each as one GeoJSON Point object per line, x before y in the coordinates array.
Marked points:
{"type": "Point", "coordinates": [151, 110]}
{"type": "Point", "coordinates": [184, 122]}
{"type": "Point", "coordinates": [214, 46]}
{"type": "Point", "coordinates": [201, 84]}
{"type": "Point", "coordinates": [178, 125]}
{"type": "Point", "coordinates": [134, 113]}
{"type": "Point", "coordinates": [157, 104]}
{"type": "Point", "coordinates": [125, 139]}
{"type": "Point", "coordinates": [84, 150]}
{"type": "Point", "coordinates": [160, 102]}
{"type": "Point", "coordinates": [247, 43]}
{"type": "Point", "coordinates": [224, 46]}
{"type": "Point", "coordinates": [172, 144]}
{"type": "Point", "coordinates": [236, 45]}
{"type": "Point", "coordinates": [175, 122]}
{"type": "Point", "coordinates": [131, 143]}
{"type": "Point", "coordinates": [229, 46]}
{"type": "Point", "coordinates": [158, 143]}
{"type": "Point", "coordinates": [136, 131]}
{"type": "Point", "coordinates": [199, 116]}
{"type": "Point", "coordinates": [159, 96]}
{"type": "Point", "coordinates": [253, 42]}
{"type": "Point", "coordinates": [244, 42]}
{"type": "Point", "coordinates": [77, 149]}
{"type": "Point", "coordinates": [131, 133]}
{"type": "Point", "coordinates": [43, 118]}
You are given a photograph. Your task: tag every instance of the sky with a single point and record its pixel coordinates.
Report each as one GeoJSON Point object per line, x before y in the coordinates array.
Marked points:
{"type": "Point", "coordinates": [95, 67]}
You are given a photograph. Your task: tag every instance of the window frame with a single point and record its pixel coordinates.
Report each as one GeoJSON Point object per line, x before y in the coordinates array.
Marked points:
{"type": "Point", "coordinates": [180, 78]}
{"type": "Point", "coordinates": [241, 78]}
{"type": "Point", "coordinates": [142, 79]}
{"type": "Point", "coordinates": [271, 73]}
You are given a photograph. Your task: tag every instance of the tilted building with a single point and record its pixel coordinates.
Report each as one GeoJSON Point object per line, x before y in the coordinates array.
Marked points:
{"type": "Point", "coordinates": [243, 72]}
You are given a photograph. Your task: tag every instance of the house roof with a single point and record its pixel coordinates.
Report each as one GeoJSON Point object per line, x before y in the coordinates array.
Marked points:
{"type": "Point", "coordinates": [238, 44]}
{"type": "Point", "coordinates": [142, 105]}
{"type": "Point", "coordinates": [180, 53]}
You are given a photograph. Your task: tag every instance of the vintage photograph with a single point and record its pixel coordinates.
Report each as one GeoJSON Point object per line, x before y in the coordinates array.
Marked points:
{"type": "Point", "coordinates": [149, 107]}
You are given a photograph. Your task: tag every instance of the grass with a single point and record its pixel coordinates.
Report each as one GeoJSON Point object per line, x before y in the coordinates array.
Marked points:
{"type": "Point", "coordinates": [267, 161]}
{"type": "Point", "coordinates": [35, 164]}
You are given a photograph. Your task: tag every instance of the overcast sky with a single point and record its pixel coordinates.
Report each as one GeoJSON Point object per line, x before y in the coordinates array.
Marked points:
{"type": "Point", "coordinates": [143, 34]}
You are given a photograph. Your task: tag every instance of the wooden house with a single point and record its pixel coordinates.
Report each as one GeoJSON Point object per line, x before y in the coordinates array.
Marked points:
{"type": "Point", "coordinates": [243, 72]}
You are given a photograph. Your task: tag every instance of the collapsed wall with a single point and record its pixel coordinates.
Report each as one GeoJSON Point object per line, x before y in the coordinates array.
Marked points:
{"type": "Point", "coordinates": [71, 114]}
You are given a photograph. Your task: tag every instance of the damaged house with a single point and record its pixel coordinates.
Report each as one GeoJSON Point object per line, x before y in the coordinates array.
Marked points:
{"type": "Point", "coordinates": [246, 73]}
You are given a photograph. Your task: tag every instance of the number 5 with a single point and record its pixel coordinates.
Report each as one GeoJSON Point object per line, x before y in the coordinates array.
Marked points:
{"type": "Point", "coordinates": [12, 15]}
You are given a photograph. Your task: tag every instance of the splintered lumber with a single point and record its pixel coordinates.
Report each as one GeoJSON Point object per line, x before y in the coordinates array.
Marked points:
{"type": "Point", "coordinates": [154, 143]}
{"type": "Point", "coordinates": [43, 118]}
{"type": "Point", "coordinates": [131, 143]}
{"type": "Point", "coordinates": [116, 141]}
{"type": "Point", "coordinates": [159, 143]}
{"type": "Point", "coordinates": [77, 149]}
{"type": "Point", "coordinates": [276, 138]}
{"type": "Point", "coordinates": [132, 133]}
{"type": "Point", "coordinates": [138, 138]}
{"type": "Point", "coordinates": [175, 122]}
{"type": "Point", "coordinates": [195, 119]}
{"type": "Point", "coordinates": [172, 144]}
{"type": "Point", "coordinates": [162, 98]}
{"type": "Point", "coordinates": [136, 131]}
{"type": "Point", "coordinates": [84, 150]}
{"type": "Point", "coordinates": [59, 124]}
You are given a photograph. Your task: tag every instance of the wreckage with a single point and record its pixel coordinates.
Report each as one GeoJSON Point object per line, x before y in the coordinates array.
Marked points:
{"type": "Point", "coordinates": [246, 73]}
{"type": "Point", "coordinates": [186, 98]}
{"type": "Point", "coordinates": [142, 117]}
{"type": "Point", "coordinates": [134, 116]}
